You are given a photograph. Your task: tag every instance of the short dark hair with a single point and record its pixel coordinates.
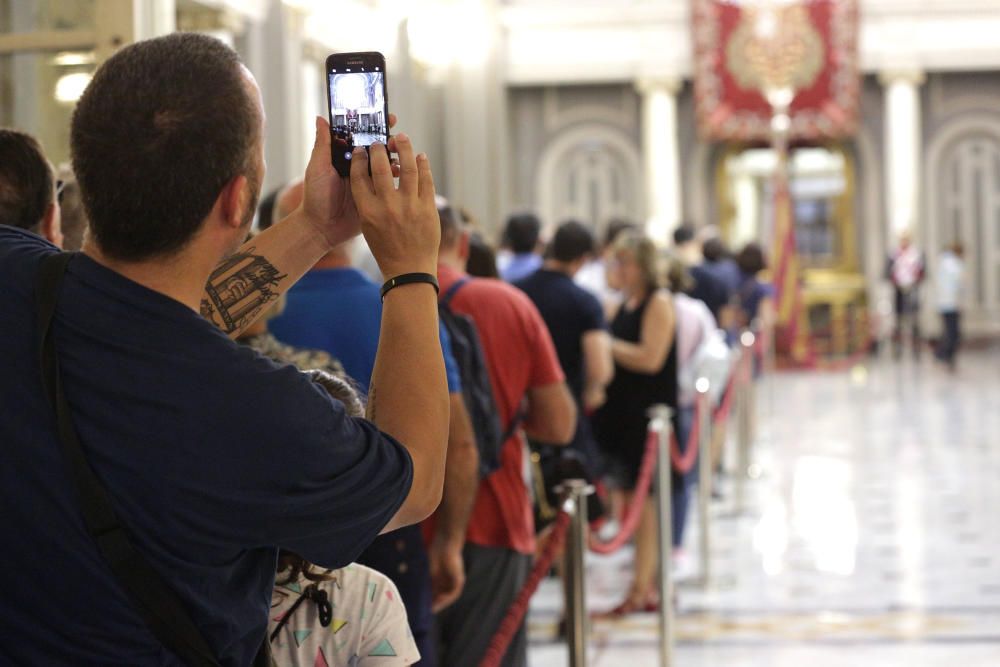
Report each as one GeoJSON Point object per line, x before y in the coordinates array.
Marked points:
{"type": "Point", "coordinates": [571, 242]}
{"type": "Point", "coordinates": [714, 250]}
{"type": "Point", "coordinates": [615, 227]}
{"type": "Point", "coordinates": [482, 258]}
{"type": "Point", "coordinates": [27, 185]}
{"type": "Point", "coordinates": [522, 232]}
{"type": "Point", "coordinates": [751, 259]}
{"type": "Point", "coordinates": [683, 234]}
{"type": "Point", "coordinates": [165, 124]}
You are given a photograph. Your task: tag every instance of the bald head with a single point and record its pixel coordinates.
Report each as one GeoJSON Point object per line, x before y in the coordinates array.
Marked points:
{"type": "Point", "coordinates": [289, 199]}
{"type": "Point", "coordinates": [451, 225]}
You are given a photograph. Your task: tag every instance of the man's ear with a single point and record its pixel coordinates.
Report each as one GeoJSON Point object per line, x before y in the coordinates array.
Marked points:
{"type": "Point", "coordinates": [235, 197]}
{"type": "Point", "coordinates": [51, 227]}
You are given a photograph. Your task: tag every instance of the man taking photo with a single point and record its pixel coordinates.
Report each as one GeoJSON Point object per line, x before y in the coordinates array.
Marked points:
{"type": "Point", "coordinates": [211, 456]}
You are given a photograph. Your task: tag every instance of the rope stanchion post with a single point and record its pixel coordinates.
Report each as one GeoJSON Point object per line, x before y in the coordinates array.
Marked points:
{"type": "Point", "coordinates": [660, 422]}
{"type": "Point", "coordinates": [744, 418]}
{"type": "Point", "coordinates": [575, 492]}
{"type": "Point", "coordinates": [751, 343]}
{"type": "Point", "coordinates": [703, 414]}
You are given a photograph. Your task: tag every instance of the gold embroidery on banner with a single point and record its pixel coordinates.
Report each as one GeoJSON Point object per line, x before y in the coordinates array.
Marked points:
{"type": "Point", "coordinates": [777, 47]}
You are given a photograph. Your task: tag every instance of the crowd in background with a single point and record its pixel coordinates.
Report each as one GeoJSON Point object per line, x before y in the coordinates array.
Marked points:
{"type": "Point", "coordinates": [549, 348]}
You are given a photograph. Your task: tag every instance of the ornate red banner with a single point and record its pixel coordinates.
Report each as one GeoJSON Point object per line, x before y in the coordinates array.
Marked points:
{"type": "Point", "coordinates": [743, 49]}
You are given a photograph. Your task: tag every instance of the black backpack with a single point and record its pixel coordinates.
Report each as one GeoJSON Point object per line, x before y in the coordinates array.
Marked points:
{"type": "Point", "coordinates": [476, 387]}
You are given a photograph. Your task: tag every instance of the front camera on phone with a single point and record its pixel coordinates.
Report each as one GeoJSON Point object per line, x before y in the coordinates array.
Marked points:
{"type": "Point", "coordinates": [347, 155]}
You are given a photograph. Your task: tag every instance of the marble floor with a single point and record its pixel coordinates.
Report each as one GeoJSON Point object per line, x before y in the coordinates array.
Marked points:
{"type": "Point", "coordinates": [366, 138]}
{"type": "Point", "coordinates": [870, 535]}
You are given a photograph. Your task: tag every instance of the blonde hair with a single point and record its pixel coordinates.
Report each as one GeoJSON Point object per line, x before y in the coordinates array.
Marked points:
{"type": "Point", "coordinates": [643, 251]}
{"type": "Point", "coordinates": [678, 278]}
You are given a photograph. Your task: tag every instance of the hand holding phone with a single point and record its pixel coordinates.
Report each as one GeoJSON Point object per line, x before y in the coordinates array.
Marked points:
{"type": "Point", "coordinates": [327, 201]}
{"type": "Point", "coordinates": [358, 104]}
{"type": "Point", "coordinates": [400, 223]}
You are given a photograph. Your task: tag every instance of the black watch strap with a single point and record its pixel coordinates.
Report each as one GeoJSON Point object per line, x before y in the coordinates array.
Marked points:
{"type": "Point", "coordinates": [409, 279]}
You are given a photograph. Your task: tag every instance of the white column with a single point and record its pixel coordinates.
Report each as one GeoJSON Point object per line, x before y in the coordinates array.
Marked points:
{"type": "Point", "coordinates": [475, 120]}
{"type": "Point", "coordinates": [661, 156]}
{"type": "Point", "coordinates": [902, 147]}
{"type": "Point", "coordinates": [274, 55]}
{"type": "Point", "coordinates": [153, 19]}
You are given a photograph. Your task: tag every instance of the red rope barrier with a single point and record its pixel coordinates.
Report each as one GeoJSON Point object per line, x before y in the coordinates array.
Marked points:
{"type": "Point", "coordinates": [812, 359]}
{"type": "Point", "coordinates": [630, 522]}
{"type": "Point", "coordinates": [684, 462]}
{"type": "Point", "coordinates": [515, 615]}
{"type": "Point", "coordinates": [726, 405]}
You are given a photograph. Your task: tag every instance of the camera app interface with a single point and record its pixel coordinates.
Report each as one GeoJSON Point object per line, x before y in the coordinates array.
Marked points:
{"type": "Point", "coordinates": [357, 109]}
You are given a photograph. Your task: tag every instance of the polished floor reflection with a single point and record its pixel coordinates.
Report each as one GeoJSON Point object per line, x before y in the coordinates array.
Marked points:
{"type": "Point", "coordinates": [870, 535]}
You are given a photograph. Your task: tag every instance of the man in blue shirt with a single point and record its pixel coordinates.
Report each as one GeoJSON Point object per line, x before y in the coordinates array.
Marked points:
{"type": "Point", "coordinates": [212, 456]}
{"type": "Point", "coordinates": [520, 238]}
{"type": "Point", "coordinates": [706, 286]}
{"type": "Point", "coordinates": [337, 308]}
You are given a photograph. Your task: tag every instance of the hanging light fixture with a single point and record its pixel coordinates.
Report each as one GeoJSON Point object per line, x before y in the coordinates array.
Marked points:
{"type": "Point", "coordinates": [70, 87]}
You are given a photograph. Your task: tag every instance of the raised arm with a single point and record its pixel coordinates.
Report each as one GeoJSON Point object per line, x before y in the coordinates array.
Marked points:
{"type": "Point", "coordinates": [244, 284]}
{"type": "Point", "coordinates": [408, 397]}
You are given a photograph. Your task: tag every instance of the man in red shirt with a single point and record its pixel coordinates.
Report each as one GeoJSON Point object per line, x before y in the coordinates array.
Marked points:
{"type": "Point", "coordinates": [523, 368]}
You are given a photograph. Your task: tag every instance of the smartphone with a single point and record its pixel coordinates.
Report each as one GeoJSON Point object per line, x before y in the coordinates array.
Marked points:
{"type": "Point", "coordinates": [358, 103]}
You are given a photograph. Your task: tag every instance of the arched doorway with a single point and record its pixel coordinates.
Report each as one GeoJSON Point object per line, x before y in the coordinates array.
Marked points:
{"type": "Point", "coordinates": [963, 190]}
{"type": "Point", "coordinates": [589, 173]}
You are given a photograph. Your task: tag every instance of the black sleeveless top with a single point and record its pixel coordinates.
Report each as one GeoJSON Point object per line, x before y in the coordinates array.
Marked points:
{"type": "Point", "coordinates": [621, 422]}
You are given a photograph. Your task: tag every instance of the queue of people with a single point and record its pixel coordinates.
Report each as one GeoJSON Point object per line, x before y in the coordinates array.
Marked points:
{"type": "Point", "coordinates": [240, 449]}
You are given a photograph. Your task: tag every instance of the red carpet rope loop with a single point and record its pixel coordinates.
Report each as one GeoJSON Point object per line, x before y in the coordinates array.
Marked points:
{"type": "Point", "coordinates": [512, 621]}
{"type": "Point", "coordinates": [630, 522]}
{"type": "Point", "coordinates": [722, 412]}
{"type": "Point", "coordinates": [683, 463]}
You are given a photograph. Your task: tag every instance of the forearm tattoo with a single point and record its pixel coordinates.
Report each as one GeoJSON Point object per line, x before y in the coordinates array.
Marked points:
{"type": "Point", "coordinates": [238, 290]}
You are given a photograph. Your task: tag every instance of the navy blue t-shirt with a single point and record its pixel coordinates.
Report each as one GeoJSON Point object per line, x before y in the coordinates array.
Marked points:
{"type": "Point", "coordinates": [709, 288]}
{"type": "Point", "coordinates": [340, 311]}
{"type": "Point", "coordinates": [569, 312]}
{"type": "Point", "coordinates": [726, 271]}
{"type": "Point", "coordinates": [213, 456]}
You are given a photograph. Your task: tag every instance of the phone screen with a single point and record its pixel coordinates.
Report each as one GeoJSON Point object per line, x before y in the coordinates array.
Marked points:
{"type": "Point", "coordinates": [358, 115]}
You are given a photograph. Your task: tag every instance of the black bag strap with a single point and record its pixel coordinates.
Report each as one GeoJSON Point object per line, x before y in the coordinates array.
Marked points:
{"type": "Point", "coordinates": [453, 290]}
{"type": "Point", "coordinates": [152, 597]}
{"type": "Point", "coordinates": [515, 423]}
{"type": "Point", "coordinates": [520, 415]}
